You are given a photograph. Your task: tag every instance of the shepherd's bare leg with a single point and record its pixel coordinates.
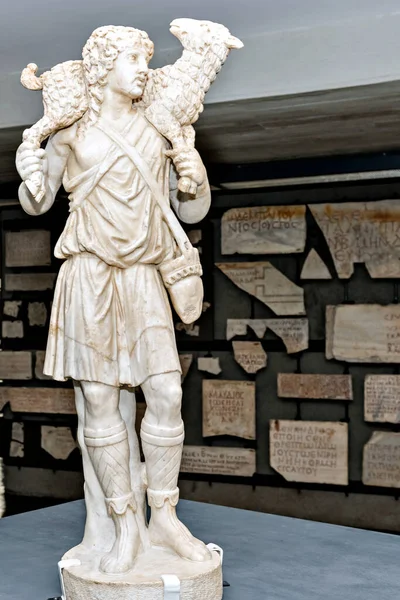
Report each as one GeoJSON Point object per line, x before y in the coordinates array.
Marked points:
{"type": "Point", "coordinates": [106, 439]}
{"type": "Point", "coordinates": [162, 441]}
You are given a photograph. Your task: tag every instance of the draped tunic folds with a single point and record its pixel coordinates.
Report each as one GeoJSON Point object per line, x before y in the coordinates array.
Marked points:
{"type": "Point", "coordinates": [111, 320]}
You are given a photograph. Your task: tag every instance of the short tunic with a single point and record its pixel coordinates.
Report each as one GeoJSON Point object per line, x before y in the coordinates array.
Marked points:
{"type": "Point", "coordinates": [111, 320]}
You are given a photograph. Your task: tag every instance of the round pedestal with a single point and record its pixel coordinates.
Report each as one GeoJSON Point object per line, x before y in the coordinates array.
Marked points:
{"type": "Point", "coordinates": [199, 580]}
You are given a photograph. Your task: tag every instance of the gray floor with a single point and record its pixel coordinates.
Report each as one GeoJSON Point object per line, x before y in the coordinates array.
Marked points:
{"type": "Point", "coordinates": [267, 557]}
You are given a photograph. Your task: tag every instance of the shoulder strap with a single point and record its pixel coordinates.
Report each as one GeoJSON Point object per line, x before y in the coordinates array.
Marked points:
{"type": "Point", "coordinates": [132, 153]}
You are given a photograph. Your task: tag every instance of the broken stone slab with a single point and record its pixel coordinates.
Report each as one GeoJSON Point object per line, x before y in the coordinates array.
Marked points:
{"type": "Point", "coordinates": [363, 333]}
{"type": "Point", "coordinates": [209, 365]}
{"type": "Point", "coordinates": [251, 356]}
{"type": "Point", "coordinates": [293, 332]}
{"type": "Point", "coordinates": [314, 267]}
{"type": "Point", "coordinates": [267, 284]}
{"type": "Point", "coordinates": [11, 308]}
{"type": "Point", "coordinates": [381, 460]}
{"type": "Point", "coordinates": [362, 232]}
{"type": "Point", "coordinates": [27, 248]}
{"type": "Point", "coordinates": [382, 398]}
{"type": "Point", "coordinates": [213, 460]}
{"type": "Point", "coordinates": [12, 329]}
{"type": "Point", "coordinates": [310, 451]}
{"type": "Point", "coordinates": [39, 399]}
{"type": "Point", "coordinates": [263, 230]}
{"type": "Point", "coordinates": [229, 408]}
{"type": "Point", "coordinates": [25, 282]}
{"type": "Point", "coordinates": [57, 441]}
{"type": "Point", "coordinates": [37, 314]}
{"type": "Point", "coordinates": [314, 387]}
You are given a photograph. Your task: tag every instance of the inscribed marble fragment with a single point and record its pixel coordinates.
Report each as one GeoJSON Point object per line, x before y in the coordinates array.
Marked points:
{"type": "Point", "coordinates": [213, 460]}
{"type": "Point", "coordinates": [58, 441]}
{"type": "Point", "coordinates": [363, 333]}
{"type": "Point", "coordinates": [28, 248]}
{"type": "Point", "coordinates": [229, 408]}
{"type": "Point", "coordinates": [263, 230]}
{"type": "Point", "coordinates": [382, 398]}
{"type": "Point", "coordinates": [310, 451]}
{"type": "Point", "coordinates": [362, 232]}
{"type": "Point", "coordinates": [315, 387]}
{"type": "Point", "coordinates": [381, 460]}
{"type": "Point", "coordinates": [293, 332]}
{"type": "Point", "coordinates": [250, 356]}
{"type": "Point", "coordinates": [267, 284]}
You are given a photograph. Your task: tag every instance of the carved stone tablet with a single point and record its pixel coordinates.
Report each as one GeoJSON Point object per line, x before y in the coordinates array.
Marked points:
{"type": "Point", "coordinates": [209, 365]}
{"type": "Point", "coordinates": [15, 365]}
{"type": "Point", "coordinates": [315, 387]}
{"type": "Point", "coordinates": [362, 232]}
{"type": "Point", "coordinates": [17, 440]}
{"type": "Point", "coordinates": [310, 451]}
{"type": "Point", "coordinates": [381, 463]}
{"type": "Point", "coordinates": [229, 408]}
{"type": "Point", "coordinates": [28, 248]}
{"type": "Point", "coordinates": [263, 230]}
{"type": "Point", "coordinates": [363, 333]}
{"type": "Point", "coordinates": [250, 356]}
{"type": "Point", "coordinates": [382, 398]}
{"type": "Point", "coordinates": [293, 332]}
{"type": "Point", "coordinates": [267, 284]}
{"type": "Point", "coordinates": [58, 441]}
{"type": "Point", "coordinates": [314, 267]}
{"type": "Point", "coordinates": [239, 462]}
{"type": "Point", "coordinates": [11, 308]}
{"type": "Point", "coordinates": [12, 329]}
{"type": "Point", "coordinates": [25, 282]}
{"type": "Point", "coordinates": [185, 360]}
{"type": "Point", "coordinates": [39, 400]}
{"type": "Point", "coordinates": [37, 314]}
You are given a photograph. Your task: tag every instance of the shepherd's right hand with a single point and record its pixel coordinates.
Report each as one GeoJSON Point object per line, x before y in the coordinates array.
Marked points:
{"type": "Point", "coordinates": [30, 159]}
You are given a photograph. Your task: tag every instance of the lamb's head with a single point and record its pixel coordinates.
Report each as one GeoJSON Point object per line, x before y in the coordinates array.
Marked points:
{"type": "Point", "coordinates": [199, 36]}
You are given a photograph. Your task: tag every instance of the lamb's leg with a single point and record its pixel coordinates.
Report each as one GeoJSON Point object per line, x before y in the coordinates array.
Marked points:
{"type": "Point", "coordinates": [169, 127]}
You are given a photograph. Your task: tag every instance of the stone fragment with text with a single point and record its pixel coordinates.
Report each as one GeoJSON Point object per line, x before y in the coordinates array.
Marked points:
{"type": "Point", "coordinates": [263, 230]}
{"type": "Point", "coordinates": [217, 460]}
{"type": "Point", "coordinates": [310, 451]}
{"type": "Point", "coordinates": [381, 460]}
{"type": "Point", "coordinates": [251, 356]}
{"type": "Point", "coordinates": [362, 232]}
{"type": "Point", "coordinates": [12, 329]}
{"type": "Point", "coordinates": [58, 441]}
{"type": "Point", "coordinates": [15, 365]}
{"type": "Point", "coordinates": [267, 284]}
{"type": "Point", "coordinates": [229, 408]}
{"type": "Point", "coordinates": [382, 398]}
{"type": "Point", "coordinates": [314, 387]}
{"type": "Point", "coordinates": [28, 248]}
{"type": "Point", "coordinates": [293, 332]}
{"type": "Point", "coordinates": [39, 400]}
{"type": "Point", "coordinates": [363, 333]}
{"type": "Point", "coordinates": [26, 282]}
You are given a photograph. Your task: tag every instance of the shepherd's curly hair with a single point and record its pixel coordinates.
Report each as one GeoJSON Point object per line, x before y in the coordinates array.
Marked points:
{"type": "Point", "coordinates": [99, 54]}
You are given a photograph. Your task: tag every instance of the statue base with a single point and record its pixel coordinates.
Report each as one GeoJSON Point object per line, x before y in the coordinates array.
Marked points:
{"type": "Point", "coordinates": [198, 580]}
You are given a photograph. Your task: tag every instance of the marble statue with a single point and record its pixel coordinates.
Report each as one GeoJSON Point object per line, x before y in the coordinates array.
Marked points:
{"type": "Point", "coordinates": [122, 145]}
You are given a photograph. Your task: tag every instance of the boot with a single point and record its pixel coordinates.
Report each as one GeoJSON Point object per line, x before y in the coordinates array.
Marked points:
{"type": "Point", "coordinates": [109, 452]}
{"type": "Point", "coordinates": [162, 448]}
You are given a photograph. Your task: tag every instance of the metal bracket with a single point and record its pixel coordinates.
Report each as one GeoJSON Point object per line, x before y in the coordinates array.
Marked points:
{"type": "Point", "coordinates": [172, 587]}
{"type": "Point", "coordinates": [63, 564]}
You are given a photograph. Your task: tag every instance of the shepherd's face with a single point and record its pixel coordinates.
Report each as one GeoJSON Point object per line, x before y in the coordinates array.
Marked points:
{"type": "Point", "coordinates": [129, 73]}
